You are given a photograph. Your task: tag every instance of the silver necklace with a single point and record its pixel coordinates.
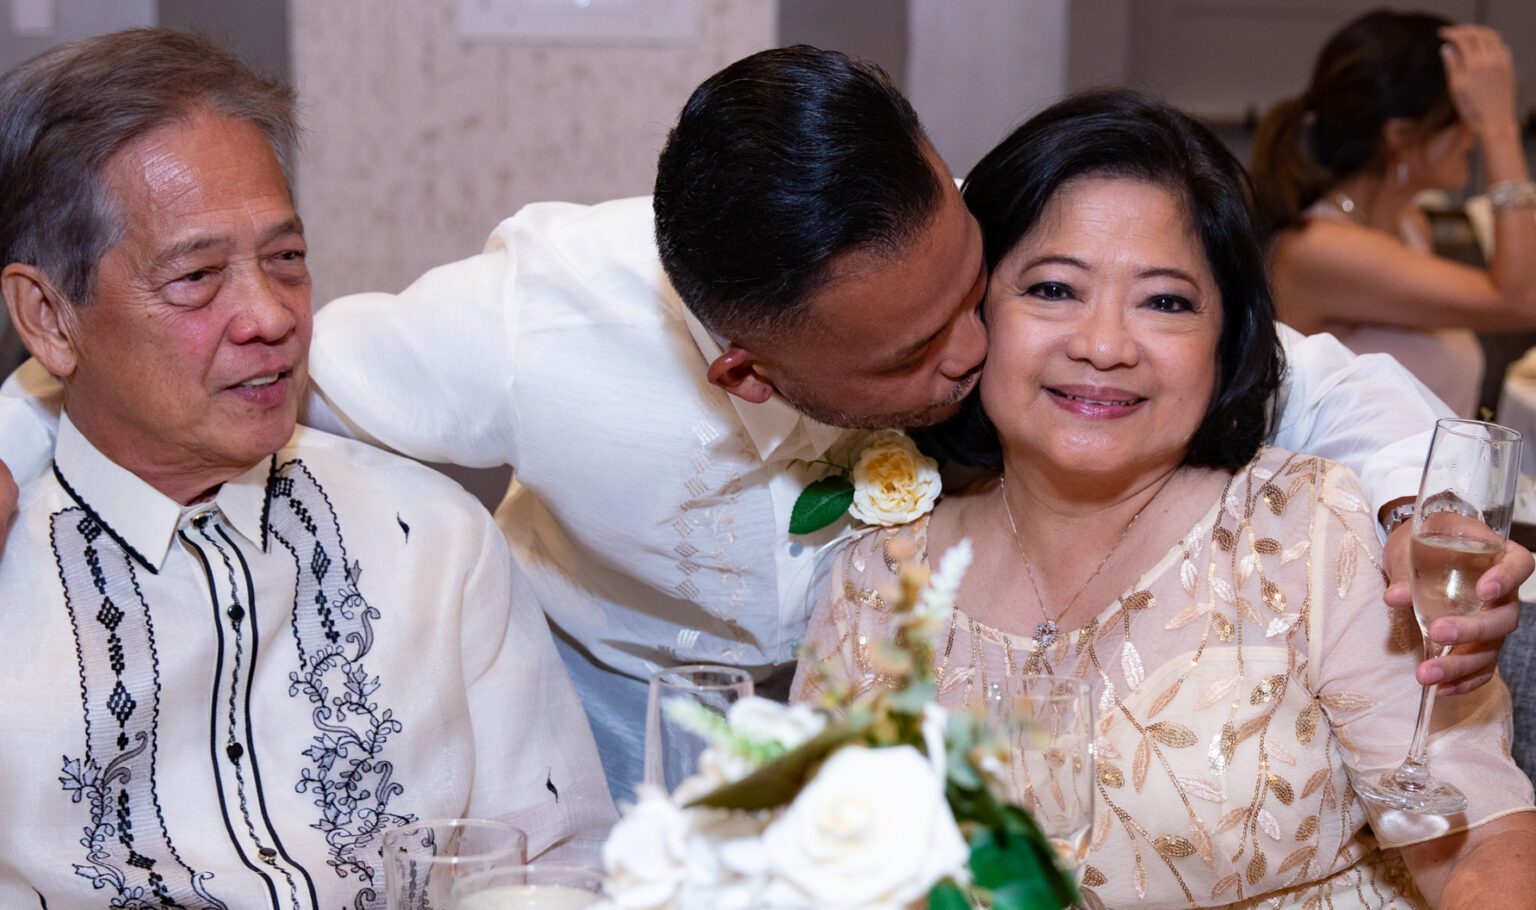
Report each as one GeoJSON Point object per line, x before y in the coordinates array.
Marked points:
{"type": "Point", "coordinates": [1049, 629]}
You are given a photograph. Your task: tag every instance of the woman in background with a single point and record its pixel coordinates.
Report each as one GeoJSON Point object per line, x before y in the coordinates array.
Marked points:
{"type": "Point", "coordinates": [1396, 102]}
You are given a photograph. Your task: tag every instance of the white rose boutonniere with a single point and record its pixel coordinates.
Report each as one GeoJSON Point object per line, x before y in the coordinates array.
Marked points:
{"type": "Point", "coordinates": [891, 483]}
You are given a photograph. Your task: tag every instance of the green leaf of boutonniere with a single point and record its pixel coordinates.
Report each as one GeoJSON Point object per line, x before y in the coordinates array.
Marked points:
{"type": "Point", "coordinates": [947, 895]}
{"type": "Point", "coordinates": [820, 504]}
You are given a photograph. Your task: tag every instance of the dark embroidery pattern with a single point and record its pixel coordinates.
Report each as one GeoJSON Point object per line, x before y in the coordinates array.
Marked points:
{"type": "Point", "coordinates": [128, 849]}
{"type": "Point", "coordinates": [350, 779]}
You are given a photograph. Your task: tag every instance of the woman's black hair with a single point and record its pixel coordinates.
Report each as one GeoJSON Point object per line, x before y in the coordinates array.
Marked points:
{"type": "Point", "coordinates": [1122, 134]}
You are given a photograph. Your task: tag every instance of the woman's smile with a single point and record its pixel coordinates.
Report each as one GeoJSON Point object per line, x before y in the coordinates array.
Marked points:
{"type": "Point", "coordinates": [1095, 402]}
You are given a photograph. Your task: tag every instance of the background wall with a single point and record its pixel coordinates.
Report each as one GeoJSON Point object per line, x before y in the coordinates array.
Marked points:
{"type": "Point", "coordinates": [977, 69]}
{"type": "Point", "coordinates": [421, 141]}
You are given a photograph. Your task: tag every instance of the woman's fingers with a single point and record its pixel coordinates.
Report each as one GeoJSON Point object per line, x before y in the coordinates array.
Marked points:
{"type": "Point", "coordinates": [7, 503]}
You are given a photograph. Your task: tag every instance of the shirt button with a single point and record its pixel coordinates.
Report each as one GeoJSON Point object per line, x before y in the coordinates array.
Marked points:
{"type": "Point", "coordinates": [268, 855]}
{"type": "Point", "coordinates": [234, 751]}
{"type": "Point", "coordinates": [236, 613]}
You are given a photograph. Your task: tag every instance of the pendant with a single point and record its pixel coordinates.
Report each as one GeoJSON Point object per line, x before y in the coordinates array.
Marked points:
{"type": "Point", "coordinates": [1046, 633]}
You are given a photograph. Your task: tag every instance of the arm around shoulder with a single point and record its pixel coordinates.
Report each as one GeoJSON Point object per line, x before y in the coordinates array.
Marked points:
{"type": "Point", "coordinates": [429, 371]}
{"type": "Point", "coordinates": [30, 403]}
{"type": "Point", "coordinates": [1364, 411]}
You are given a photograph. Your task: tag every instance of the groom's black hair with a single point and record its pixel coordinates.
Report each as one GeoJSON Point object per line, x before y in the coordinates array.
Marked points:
{"type": "Point", "coordinates": [780, 163]}
{"type": "Point", "coordinates": [1119, 133]}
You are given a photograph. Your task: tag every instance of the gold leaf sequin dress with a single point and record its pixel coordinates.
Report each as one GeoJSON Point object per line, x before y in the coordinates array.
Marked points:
{"type": "Point", "coordinates": [1237, 682]}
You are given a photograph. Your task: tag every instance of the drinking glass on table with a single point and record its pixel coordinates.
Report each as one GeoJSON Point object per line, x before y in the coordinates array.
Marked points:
{"type": "Point", "coordinates": [672, 748]}
{"type": "Point", "coordinates": [1460, 522]}
{"type": "Point", "coordinates": [422, 860]}
{"type": "Point", "coordinates": [1049, 720]}
{"type": "Point", "coordinates": [541, 886]}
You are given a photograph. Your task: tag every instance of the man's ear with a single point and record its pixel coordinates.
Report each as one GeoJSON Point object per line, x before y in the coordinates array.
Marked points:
{"type": "Point", "coordinates": [42, 317]}
{"type": "Point", "coordinates": [736, 371]}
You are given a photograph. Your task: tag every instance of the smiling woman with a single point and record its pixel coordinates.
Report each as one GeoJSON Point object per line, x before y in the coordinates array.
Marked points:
{"type": "Point", "coordinates": [1134, 532]}
{"type": "Point", "coordinates": [1106, 320]}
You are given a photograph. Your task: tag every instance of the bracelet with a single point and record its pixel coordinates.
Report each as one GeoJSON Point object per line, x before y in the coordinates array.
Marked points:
{"type": "Point", "coordinates": [1512, 195]}
{"type": "Point", "coordinates": [1397, 516]}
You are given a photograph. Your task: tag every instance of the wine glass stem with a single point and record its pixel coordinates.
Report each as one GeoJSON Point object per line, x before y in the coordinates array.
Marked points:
{"type": "Point", "coordinates": [1415, 768]}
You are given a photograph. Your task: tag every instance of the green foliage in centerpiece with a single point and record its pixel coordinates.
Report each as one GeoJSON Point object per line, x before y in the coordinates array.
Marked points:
{"type": "Point", "coordinates": [1012, 865]}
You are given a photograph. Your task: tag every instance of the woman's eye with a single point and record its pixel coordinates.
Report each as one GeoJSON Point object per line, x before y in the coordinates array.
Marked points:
{"type": "Point", "coordinates": [1171, 303]}
{"type": "Point", "coordinates": [197, 276]}
{"type": "Point", "coordinates": [1050, 290]}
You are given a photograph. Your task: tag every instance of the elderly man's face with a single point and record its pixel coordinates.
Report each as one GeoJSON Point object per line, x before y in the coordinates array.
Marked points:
{"type": "Point", "coordinates": [193, 350]}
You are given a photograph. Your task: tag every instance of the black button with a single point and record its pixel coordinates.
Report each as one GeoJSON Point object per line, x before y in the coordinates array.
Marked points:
{"type": "Point", "coordinates": [234, 751]}
{"type": "Point", "coordinates": [268, 855]}
{"type": "Point", "coordinates": [236, 613]}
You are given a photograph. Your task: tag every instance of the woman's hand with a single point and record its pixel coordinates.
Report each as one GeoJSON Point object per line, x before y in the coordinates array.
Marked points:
{"type": "Point", "coordinates": [1481, 78]}
{"type": "Point", "coordinates": [1479, 636]}
{"type": "Point", "coordinates": [7, 503]}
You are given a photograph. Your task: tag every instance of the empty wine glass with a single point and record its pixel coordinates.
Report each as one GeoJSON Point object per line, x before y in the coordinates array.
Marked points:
{"type": "Point", "coordinates": [423, 859]}
{"type": "Point", "coordinates": [1460, 522]}
{"type": "Point", "coordinates": [672, 749]}
{"type": "Point", "coordinates": [1049, 720]}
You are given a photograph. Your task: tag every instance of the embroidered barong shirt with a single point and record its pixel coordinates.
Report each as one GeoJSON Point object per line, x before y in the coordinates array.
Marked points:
{"type": "Point", "coordinates": [649, 510]}
{"type": "Point", "coordinates": [1238, 683]}
{"type": "Point", "coordinates": [225, 705]}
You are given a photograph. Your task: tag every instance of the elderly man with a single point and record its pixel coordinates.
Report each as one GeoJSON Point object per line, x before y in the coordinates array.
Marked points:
{"type": "Point", "coordinates": [667, 378]}
{"type": "Point", "coordinates": [238, 653]}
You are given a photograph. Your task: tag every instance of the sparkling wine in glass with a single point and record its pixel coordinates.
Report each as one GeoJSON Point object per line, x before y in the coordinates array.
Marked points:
{"type": "Point", "coordinates": [1460, 522]}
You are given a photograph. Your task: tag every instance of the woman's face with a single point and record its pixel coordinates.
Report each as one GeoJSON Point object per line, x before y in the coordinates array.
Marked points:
{"type": "Point", "coordinates": [1103, 322]}
{"type": "Point", "coordinates": [1440, 161]}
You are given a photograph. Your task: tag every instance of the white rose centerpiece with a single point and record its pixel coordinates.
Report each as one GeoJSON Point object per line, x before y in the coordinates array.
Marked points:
{"type": "Point", "coordinates": [875, 801]}
{"type": "Point", "coordinates": [846, 841]}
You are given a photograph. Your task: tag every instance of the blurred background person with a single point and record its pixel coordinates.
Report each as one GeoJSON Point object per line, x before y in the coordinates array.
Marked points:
{"type": "Point", "coordinates": [1395, 104]}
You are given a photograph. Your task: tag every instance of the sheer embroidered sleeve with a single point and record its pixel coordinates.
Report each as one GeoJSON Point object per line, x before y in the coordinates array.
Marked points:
{"type": "Point", "coordinates": [850, 616]}
{"type": "Point", "coordinates": [1363, 658]}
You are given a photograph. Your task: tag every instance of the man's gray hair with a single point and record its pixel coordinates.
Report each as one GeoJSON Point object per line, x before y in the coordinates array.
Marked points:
{"type": "Point", "coordinates": [66, 112]}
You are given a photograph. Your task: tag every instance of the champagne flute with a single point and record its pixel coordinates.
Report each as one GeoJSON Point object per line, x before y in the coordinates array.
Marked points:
{"type": "Point", "coordinates": [1049, 721]}
{"type": "Point", "coordinates": [1460, 522]}
{"type": "Point", "coordinates": [672, 749]}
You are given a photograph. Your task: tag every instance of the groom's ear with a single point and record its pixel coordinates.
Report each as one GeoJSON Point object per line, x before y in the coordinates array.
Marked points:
{"type": "Point", "coordinates": [737, 371]}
